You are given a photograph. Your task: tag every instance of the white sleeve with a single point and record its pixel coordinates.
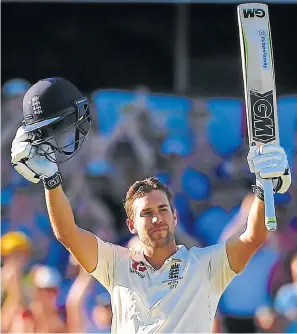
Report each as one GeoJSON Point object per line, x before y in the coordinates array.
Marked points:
{"type": "Point", "coordinates": [219, 272]}
{"type": "Point", "coordinates": [106, 262]}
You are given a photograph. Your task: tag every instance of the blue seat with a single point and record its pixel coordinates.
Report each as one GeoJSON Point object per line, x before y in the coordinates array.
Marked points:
{"type": "Point", "coordinates": [195, 184]}
{"type": "Point", "coordinates": [173, 110]}
{"type": "Point", "coordinates": [42, 223]}
{"type": "Point", "coordinates": [99, 167]}
{"type": "Point", "coordinates": [57, 256]}
{"type": "Point", "coordinates": [4, 226]}
{"type": "Point", "coordinates": [184, 212]}
{"type": "Point", "coordinates": [108, 105]}
{"type": "Point", "coordinates": [6, 195]}
{"type": "Point", "coordinates": [225, 131]}
{"type": "Point", "coordinates": [15, 87]}
{"type": "Point", "coordinates": [182, 145]}
{"type": "Point", "coordinates": [211, 223]}
{"type": "Point", "coordinates": [164, 177]}
{"type": "Point", "coordinates": [169, 110]}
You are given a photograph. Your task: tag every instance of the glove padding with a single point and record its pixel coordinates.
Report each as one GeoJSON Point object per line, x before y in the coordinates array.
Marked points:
{"type": "Point", "coordinates": [270, 161]}
{"type": "Point", "coordinates": [26, 159]}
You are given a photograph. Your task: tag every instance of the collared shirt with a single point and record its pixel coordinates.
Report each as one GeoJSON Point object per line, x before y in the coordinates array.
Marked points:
{"type": "Point", "coordinates": [181, 297]}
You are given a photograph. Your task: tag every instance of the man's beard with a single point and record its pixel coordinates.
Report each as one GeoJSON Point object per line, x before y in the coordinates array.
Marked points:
{"type": "Point", "coordinates": [157, 243]}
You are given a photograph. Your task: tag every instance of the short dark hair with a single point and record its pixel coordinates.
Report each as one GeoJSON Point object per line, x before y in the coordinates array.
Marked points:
{"type": "Point", "coordinates": [140, 188]}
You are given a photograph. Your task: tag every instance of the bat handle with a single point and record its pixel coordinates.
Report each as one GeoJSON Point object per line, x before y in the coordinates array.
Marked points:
{"type": "Point", "coordinates": [270, 217]}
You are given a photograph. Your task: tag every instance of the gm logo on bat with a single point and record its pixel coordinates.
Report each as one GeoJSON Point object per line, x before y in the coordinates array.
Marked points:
{"type": "Point", "coordinates": [263, 125]}
{"type": "Point", "coordinates": [252, 12]}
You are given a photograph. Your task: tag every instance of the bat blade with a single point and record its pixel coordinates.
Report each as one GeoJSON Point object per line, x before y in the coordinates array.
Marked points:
{"type": "Point", "coordinates": [259, 86]}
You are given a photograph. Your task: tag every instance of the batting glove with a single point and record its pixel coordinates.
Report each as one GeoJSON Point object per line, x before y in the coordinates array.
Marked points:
{"type": "Point", "coordinates": [27, 161]}
{"type": "Point", "coordinates": [269, 161]}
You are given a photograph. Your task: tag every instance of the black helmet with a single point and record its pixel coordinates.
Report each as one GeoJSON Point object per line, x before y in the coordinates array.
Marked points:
{"type": "Point", "coordinates": [58, 115]}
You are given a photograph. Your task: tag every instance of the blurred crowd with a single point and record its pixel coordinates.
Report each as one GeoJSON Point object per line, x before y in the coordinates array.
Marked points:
{"type": "Point", "coordinates": [195, 146]}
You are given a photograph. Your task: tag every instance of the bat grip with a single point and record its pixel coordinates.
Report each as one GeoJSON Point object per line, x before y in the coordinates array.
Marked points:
{"type": "Point", "coordinates": [270, 217]}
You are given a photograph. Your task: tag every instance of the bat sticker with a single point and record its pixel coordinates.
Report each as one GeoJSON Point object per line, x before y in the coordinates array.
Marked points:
{"type": "Point", "coordinates": [264, 42]}
{"type": "Point", "coordinates": [263, 124]}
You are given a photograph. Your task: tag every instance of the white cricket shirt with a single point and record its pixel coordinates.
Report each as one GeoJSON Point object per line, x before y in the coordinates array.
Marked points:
{"type": "Point", "coordinates": [181, 297]}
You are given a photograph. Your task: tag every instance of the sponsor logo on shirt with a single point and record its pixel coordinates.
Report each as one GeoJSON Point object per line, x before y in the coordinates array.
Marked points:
{"type": "Point", "coordinates": [138, 268]}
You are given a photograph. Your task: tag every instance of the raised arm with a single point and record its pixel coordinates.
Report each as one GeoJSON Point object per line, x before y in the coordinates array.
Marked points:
{"type": "Point", "coordinates": [75, 308]}
{"type": "Point", "coordinates": [267, 162]}
{"type": "Point", "coordinates": [81, 244]}
{"type": "Point", "coordinates": [11, 276]}
{"type": "Point", "coordinates": [56, 121]}
{"type": "Point", "coordinates": [93, 254]}
{"type": "Point", "coordinates": [31, 164]}
{"type": "Point", "coordinates": [241, 248]}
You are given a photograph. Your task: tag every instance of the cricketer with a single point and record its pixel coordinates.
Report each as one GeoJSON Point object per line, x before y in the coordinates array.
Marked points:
{"type": "Point", "coordinates": [164, 287]}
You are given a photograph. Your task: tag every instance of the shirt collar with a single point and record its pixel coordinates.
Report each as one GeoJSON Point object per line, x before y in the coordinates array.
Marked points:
{"type": "Point", "coordinates": [181, 255]}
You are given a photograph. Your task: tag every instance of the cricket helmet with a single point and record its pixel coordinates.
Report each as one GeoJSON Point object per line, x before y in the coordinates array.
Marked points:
{"type": "Point", "coordinates": [57, 115]}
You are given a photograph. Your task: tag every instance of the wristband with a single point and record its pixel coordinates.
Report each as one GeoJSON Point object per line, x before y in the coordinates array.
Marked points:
{"type": "Point", "coordinates": [258, 192]}
{"type": "Point", "coordinates": [53, 181]}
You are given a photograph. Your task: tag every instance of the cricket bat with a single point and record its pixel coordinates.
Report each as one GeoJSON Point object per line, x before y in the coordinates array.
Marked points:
{"type": "Point", "coordinates": [259, 87]}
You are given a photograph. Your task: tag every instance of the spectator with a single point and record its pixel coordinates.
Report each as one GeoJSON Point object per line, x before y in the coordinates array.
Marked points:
{"type": "Point", "coordinates": [269, 321]}
{"type": "Point", "coordinates": [16, 249]}
{"type": "Point", "coordinates": [286, 297]}
{"type": "Point", "coordinates": [102, 314]}
{"type": "Point", "coordinates": [75, 304]}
